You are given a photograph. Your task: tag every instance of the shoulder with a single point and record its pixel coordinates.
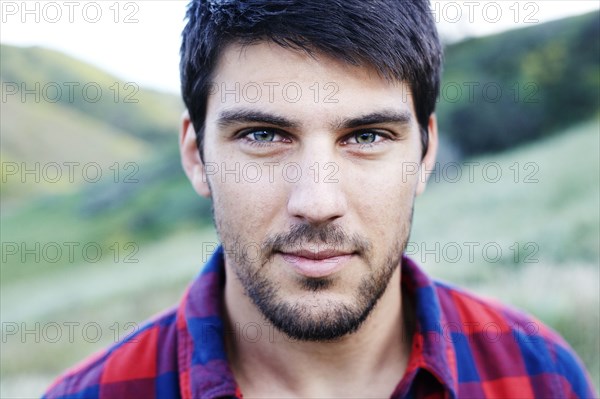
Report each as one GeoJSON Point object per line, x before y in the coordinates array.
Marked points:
{"type": "Point", "coordinates": [140, 365]}
{"type": "Point", "coordinates": [498, 348]}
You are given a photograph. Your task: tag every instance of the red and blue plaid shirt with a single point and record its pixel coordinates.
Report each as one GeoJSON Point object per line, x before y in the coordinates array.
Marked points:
{"type": "Point", "coordinates": [462, 347]}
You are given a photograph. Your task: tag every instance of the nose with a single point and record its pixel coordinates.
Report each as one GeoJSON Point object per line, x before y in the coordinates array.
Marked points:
{"type": "Point", "coordinates": [318, 196]}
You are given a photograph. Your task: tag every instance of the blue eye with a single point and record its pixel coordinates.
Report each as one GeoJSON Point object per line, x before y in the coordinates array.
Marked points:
{"type": "Point", "coordinates": [262, 135]}
{"type": "Point", "coordinates": [365, 137]}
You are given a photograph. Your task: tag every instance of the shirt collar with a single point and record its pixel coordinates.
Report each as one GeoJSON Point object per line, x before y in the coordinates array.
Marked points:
{"type": "Point", "coordinates": [431, 351]}
{"type": "Point", "coordinates": [203, 368]}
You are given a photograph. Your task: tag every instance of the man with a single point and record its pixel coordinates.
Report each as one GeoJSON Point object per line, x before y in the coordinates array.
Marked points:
{"type": "Point", "coordinates": [303, 117]}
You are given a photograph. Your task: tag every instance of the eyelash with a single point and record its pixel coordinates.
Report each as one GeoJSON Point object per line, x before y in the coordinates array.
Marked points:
{"type": "Point", "coordinates": [246, 132]}
{"type": "Point", "coordinates": [261, 144]}
{"type": "Point", "coordinates": [383, 137]}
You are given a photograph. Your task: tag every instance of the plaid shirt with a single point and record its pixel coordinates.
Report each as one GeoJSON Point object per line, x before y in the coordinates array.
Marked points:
{"type": "Point", "coordinates": [462, 346]}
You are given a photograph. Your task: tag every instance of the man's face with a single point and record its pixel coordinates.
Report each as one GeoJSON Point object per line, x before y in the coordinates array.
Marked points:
{"type": "Point", "coordinates": [312, 168]}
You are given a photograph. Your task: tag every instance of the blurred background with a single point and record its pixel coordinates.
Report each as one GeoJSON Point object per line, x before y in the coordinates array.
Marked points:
{"type": "Point", "coordinates": [96, 212]}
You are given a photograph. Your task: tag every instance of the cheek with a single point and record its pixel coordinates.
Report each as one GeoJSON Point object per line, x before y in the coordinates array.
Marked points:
{"type": "Point", "coordinates": [383, 201]}
{"type": "Point", "coordinates": [245, 208]}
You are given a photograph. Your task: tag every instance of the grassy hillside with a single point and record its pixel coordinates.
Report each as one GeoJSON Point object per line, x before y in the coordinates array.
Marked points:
{"type": "Point", "coordinates": [122, 105]}
{"type": "Point", "coordinates": [546, 192]}
{"type": "Point", "coordinates": [57, 110]}
{"type": "Point", "coordinates": [37, 135]}
{"type": "Point", "coordinates": [156, 202]}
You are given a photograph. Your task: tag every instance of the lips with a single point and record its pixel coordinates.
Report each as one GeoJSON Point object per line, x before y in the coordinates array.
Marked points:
{"type": "Point", "coordinates": [317, 255]}
{"type": "Point", "coordinates": [317, 264]}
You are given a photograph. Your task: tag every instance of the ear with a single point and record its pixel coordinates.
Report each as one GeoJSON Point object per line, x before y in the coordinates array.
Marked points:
{"type": "Point", "coordinates": [428, 161]}
{"type": "Point", "coordinates": [190, 157]}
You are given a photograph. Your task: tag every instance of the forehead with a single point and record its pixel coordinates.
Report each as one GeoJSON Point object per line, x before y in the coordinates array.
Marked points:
{"type": "Point", "coordinates": [269, 76]}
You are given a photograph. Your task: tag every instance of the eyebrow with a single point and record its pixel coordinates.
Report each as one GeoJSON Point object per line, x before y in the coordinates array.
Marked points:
{"type": "Point", "coordinates": [235, 116]}
{"type": "Point", "coordinates": [374, 118]}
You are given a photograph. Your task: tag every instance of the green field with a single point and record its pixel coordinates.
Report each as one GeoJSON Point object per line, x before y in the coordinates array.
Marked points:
{"type": "Point", "coordinates": [558, 282]}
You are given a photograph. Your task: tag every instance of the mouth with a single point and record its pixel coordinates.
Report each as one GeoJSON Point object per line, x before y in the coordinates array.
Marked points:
{"type": "Point", "coordinates": [316, 264]}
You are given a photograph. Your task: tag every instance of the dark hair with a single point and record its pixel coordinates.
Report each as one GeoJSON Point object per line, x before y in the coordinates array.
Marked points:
{"type": "Point", "coordinates": [396, 37]}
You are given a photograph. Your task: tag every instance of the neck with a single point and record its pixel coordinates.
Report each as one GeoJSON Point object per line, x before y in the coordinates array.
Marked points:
{"type": "Point", "coordinates": [267, 363]}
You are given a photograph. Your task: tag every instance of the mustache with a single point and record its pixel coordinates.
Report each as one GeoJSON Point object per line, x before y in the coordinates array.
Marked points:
{"type": "Point", "coordinates": [308, 236]}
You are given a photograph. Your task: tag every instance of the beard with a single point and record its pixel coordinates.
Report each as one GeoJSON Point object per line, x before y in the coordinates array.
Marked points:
{"type": "Point", "coordinates": [328, 319]}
